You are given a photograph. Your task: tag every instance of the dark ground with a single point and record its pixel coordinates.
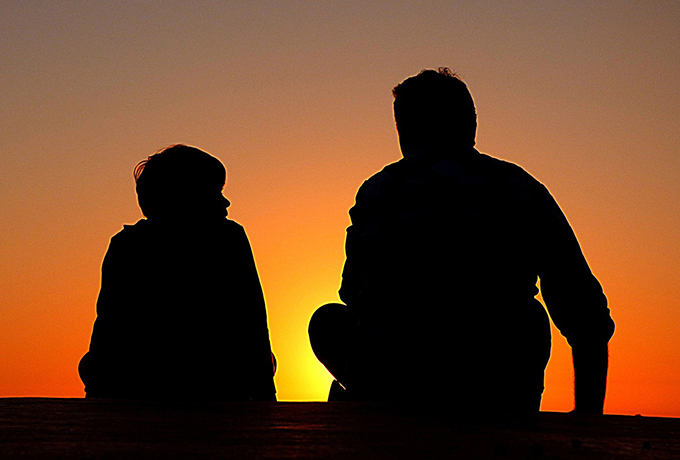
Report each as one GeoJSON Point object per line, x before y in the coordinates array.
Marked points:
{"type": "Point", "coordinates": [45, 428]}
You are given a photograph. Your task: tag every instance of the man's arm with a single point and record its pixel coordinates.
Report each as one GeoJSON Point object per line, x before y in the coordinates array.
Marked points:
{"type": "Point", "coordinates": [577, 305]}
{"type": "Point", "coordinates": [352, 272]}
{"type": "Point", "coordinates": [590, 377]}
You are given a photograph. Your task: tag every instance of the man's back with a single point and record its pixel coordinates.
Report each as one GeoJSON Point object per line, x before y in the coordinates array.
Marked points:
{"type": "Point", "coordinates": [443, 257]}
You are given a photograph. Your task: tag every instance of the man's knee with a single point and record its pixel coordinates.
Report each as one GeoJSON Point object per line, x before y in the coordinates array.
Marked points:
{"type": "Point", "coordinates": [330, 333]}
{"type": "Point", "coordinates": [328, 315]}
{"type": "Point", "coordinates": [330, 323]}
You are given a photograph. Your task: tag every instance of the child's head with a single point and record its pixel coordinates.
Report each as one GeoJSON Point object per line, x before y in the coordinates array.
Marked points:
{"type": "Point", "coordinates": [181, 180]}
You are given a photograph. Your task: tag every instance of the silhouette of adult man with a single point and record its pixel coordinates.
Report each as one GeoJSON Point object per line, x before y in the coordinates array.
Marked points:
{"type": "Point", "coordinates": [443, 257]}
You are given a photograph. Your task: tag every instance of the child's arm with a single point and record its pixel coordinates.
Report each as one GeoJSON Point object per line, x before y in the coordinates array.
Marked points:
{"type": "Point", "coordinates": [251, 298]}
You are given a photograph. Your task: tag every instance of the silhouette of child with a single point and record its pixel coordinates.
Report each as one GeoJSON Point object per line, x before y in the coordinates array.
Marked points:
{"type": "Point", "coordinates": [180, 314]}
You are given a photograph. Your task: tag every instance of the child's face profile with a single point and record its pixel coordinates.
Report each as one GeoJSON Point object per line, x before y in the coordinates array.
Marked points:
{"type": "Point", "coordinates": [224, 203]}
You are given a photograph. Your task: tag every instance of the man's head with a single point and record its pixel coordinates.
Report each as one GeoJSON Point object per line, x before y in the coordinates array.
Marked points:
{"type": "Point", "coordinates": [181, 180]}
{"type": "Point", "coordinates": [434, 107]}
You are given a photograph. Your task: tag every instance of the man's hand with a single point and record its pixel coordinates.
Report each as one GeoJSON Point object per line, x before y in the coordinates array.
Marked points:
{"type": "Point", "coordinates": [590, 377]}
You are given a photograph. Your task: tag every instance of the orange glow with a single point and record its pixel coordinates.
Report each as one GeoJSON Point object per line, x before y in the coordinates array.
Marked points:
{"type": "Point", "coordinates": [295, 100]}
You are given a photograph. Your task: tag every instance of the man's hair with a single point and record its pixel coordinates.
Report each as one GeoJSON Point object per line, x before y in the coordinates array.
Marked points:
{"type": "Point", "coordinates": [179, 178]}
{"type": "Point", "coordinates": [435, 103]}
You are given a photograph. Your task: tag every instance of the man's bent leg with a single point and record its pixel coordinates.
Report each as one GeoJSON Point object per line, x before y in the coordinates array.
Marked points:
{"type": "Point", "coordinates": [331, 331]}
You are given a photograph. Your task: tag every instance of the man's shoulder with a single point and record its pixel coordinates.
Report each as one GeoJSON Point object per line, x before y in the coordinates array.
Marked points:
{"type": "Point", "coordinates": [400, 170]}
{"type": "Point", "coordinates": [504, 166]}
{"type": "Point", "coordinates": [377, 183]}
{"type": "Point", "coordinates": [387, 173]}
{"type": "Point", "coordinates": [464, 167]}
{"type": "Point", "coordinates": [479, 162]}
{"type": "Point", "coordinates": [511, 172]}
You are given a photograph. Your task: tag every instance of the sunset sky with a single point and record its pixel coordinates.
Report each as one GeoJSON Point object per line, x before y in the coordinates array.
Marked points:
{"type": "Point", "coordinates": [295, 98]}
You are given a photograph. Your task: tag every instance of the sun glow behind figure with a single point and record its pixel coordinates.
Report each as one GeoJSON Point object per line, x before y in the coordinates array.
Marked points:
{"type": "Point", "coordinates": [298, 274]}
{"type": "Point", "coordinates": [300, 376]}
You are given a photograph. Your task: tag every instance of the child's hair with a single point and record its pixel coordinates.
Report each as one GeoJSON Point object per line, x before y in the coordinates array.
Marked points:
{"type": "Point", "coordinates": [180, 179]}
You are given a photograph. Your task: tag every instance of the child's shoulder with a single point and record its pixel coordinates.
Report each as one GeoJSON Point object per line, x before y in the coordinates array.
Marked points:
{"type": "Point", "coordinates": [131, 232]}
{"type": "Point", "coordinates": [142, 225]}
{"type": "Point", "coordinates": [231, 224]}
{"type": "Point", "coordinates": [149, 227]}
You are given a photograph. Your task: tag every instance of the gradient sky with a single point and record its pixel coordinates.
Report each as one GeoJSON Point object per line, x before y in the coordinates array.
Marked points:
{"type": "Point", "coordinates": [295, 98]}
